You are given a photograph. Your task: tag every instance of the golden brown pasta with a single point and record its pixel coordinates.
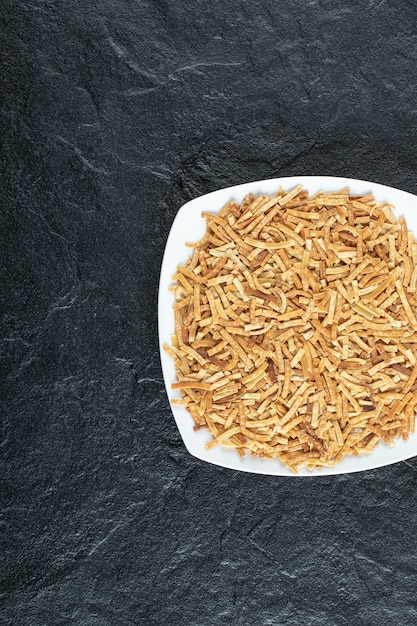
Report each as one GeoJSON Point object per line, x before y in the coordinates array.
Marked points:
{"type": "Point", "coordinates": [296, 330]}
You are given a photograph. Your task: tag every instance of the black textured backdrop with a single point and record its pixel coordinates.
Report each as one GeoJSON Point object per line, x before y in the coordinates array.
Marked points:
{"type": "Point", "coordinates": [113, 114]}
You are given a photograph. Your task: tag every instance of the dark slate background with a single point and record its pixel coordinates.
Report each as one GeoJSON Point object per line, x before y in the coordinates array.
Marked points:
{"type": "Point", "coordinates": [113, 114]}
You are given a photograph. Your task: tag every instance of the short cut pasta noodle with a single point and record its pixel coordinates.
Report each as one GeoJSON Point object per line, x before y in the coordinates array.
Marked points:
{"type": "Point", "coordinates": [295, 327]}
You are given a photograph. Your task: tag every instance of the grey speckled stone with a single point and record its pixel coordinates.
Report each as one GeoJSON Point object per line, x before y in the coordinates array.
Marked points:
{"type": "Point", "coordinates": [113, 115]}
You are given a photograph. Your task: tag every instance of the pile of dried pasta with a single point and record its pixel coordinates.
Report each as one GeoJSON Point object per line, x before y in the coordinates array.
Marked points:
{"type": "Point", "coordinates": [296, 334]}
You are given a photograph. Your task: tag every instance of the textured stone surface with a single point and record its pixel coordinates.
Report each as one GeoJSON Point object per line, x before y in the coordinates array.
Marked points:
{"type": "Point", "coordinates": [113, 115]}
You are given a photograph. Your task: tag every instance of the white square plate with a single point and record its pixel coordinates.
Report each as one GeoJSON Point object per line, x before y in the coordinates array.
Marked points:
{"type": "Point", "coordinates": [189, 226]}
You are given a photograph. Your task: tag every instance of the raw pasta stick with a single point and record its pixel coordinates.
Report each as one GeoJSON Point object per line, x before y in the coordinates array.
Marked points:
{"type": "Point", "coordinates": [295, 328]}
